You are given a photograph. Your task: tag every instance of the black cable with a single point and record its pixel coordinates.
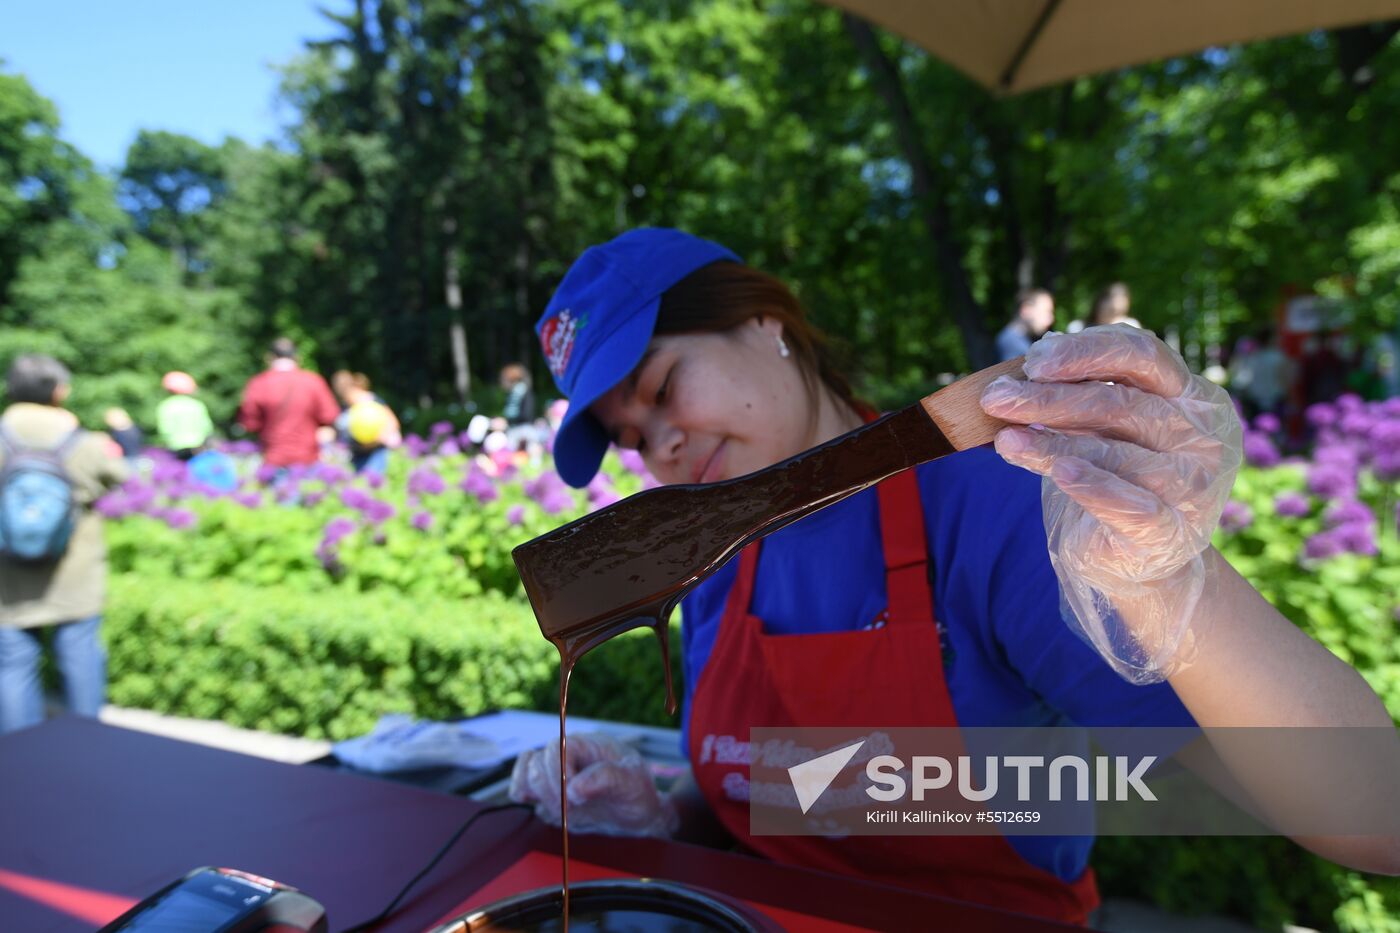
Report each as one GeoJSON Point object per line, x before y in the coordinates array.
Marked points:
{"type": "Point", "coordinates": [383, 914]}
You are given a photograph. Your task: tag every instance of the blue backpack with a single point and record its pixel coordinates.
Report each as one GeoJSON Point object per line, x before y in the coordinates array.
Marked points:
{"type": "Point", "coordinates": [37, 508]}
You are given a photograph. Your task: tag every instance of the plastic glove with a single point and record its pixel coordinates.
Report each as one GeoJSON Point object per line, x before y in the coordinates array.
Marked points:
{"type": "Point", "coordinates": [1136, 474]}
{"type": "Point", "coordinates": [611, 791]}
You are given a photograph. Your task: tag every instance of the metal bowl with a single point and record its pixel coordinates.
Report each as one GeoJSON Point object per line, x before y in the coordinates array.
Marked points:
{"type": "Point", "coordinates": [634, 903]}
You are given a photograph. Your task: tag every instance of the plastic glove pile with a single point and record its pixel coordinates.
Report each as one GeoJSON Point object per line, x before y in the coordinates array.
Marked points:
{"type": "Point", "coordinates": [611, 790]}
{"type": "Point", "coordinates": [1138, 458]}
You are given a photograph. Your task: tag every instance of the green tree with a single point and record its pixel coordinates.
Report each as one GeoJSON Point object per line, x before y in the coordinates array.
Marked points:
{"type": "Point", "coordinates": [169, 185]}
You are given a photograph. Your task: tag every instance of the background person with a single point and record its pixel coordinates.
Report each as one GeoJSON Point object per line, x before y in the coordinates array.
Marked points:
{"type": "Point", "coordinates": [1260, 374]}
{"type": "Point", "coordinates": [1035, 315]}
{"type": "Point", "coordinates": [668, 345]}
{"type": "Point", "coordinates": [124, 431]}
{"type": "Point", "coordinates": [182, 421]}
{"type": "Point", "coordinates": [518, 414]}
{"type": "Point", "coordinates": [284, 405]}
{"type": "Point", "coordinates": [65, 595]}
{"type": "Point", "coordinates": [367, 425]}
{"type": "Point", "coordinates": [1112, 305]}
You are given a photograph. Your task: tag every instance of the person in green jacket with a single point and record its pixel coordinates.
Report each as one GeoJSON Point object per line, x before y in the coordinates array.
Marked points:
{"type": "Point", "coordinates": [182, 421]}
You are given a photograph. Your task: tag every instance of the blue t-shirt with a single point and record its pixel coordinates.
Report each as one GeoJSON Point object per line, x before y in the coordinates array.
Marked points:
{"type": "Point", "coordinates": [1010, 659]}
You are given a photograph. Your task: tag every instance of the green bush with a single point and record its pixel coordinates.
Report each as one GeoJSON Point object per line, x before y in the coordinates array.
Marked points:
{"type": "Point", "coordinates": [328, 665]}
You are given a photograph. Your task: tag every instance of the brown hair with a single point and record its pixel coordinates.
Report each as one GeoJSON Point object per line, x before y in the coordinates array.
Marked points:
{"type": "Point", "coordinates": [343, 380]}
{"type": "Point", "coordinates": [1027, 295]}
{"type": "Point", "coordinates": [1104, 300]}
{"type": "Point", "coordinates": [723, 295]}
{"type": "Point", "coordinates": [513, 373]}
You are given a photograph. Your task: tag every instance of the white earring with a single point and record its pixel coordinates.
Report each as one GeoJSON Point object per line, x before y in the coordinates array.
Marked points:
{"type": "Point", "coordinates": [783, 350]}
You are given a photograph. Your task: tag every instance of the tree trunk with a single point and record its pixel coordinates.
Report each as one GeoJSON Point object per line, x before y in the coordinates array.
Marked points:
{"type": "Point", "coordinates": [930, 194]}
{"type": "Point", "coordinates": [457, 331]}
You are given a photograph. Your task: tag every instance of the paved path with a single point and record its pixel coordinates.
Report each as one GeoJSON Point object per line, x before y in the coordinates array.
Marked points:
{"type": "Point", "coordinates": [218, 735]}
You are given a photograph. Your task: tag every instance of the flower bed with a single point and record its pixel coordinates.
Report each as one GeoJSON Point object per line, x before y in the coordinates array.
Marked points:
{"type": "Point", "coordinates": [441, 523]}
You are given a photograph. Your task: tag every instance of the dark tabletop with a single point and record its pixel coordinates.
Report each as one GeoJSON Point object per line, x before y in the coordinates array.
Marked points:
{"type": "Point", "coordinates": [108, 811]}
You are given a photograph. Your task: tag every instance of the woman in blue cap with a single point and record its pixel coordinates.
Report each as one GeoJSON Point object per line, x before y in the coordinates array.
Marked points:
{"type": "Point", "coordinates": [937, 585]}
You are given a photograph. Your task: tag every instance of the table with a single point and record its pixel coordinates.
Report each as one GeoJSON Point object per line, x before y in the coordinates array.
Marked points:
{"type": "Point", "coordinates": [93, 817]}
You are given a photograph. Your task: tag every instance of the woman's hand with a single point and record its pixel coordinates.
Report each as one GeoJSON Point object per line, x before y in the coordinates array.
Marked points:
{"type": "Point", "coordinates": [611, 791]}
{"type": "Point", "coordinates": [1136, 474]}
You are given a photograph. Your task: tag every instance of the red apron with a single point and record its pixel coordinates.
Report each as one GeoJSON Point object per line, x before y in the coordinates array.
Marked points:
{"type": "Point", "coordinates": [753, 679]}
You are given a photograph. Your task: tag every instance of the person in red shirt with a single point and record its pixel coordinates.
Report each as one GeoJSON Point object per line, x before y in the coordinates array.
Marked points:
{"type": "Point", "coordinates": [284, 405]}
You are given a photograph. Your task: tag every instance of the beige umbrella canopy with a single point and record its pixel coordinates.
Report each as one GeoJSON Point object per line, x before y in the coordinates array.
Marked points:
{"type": "Point", "coordinates": [1016, 45]}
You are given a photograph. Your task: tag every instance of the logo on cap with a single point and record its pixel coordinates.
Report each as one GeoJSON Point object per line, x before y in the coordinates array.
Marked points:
{"type": "Point", "coordinates": [557, 338]}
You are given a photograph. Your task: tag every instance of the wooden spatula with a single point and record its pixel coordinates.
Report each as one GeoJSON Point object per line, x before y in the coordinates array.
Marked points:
{"type": "Point", "coordinates": [628, 565]}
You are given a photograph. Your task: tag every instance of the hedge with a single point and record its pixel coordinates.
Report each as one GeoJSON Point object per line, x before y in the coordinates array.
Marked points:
{"type": "Point", "coordinates": [328, 665]}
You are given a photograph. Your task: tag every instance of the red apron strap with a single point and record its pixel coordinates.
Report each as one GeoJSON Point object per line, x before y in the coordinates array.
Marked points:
{"type": "Point", "coordinates": [741, 593]}
{"type": "Point", "coordinates": [906, 550]}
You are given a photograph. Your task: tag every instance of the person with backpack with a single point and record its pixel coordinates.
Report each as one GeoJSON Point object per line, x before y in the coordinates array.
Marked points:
{"type": "Point", "coordinates": [53, 559]}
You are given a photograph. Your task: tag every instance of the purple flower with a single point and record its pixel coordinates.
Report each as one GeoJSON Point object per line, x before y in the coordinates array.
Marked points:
{"type": "Point", "coordinates": [326, 554]}
{"type": "Point", "coordinates": [425, 480]}
{"type": "Point", "coordinates": [632, 461]}
{"type": "Point", "coordinates": [603, 500]}
{"type": "Point", "coordinates": [112, 505]}
{"type": "Point", "coordinates": [164, 472]}
{"type": "Point", "coordinates": [422, 520]}
{"type": "Point", "coordinates": [415, 446]}
{"type": "Point", "coordinates": [449, 448]}
{"type": "Point", "coordinates": [1357, 423]}
{"type": "Point", "coordinates": [1385, 436]}
{"type": "Point", "coordinates": [1268, 423]}
{"type": "Point", "coordinates": [379, 511]}
{"type": "Point", "coordinates": [329, 473]}
{"type": "Point", "coordinates": [266, 473]}
{"type": "Point", "coordinates": [515, 514]}
{"type": "Point", "coordinates": [250, 499]}
{"type": "Point", "coordinates": [353, 497]}
{"type": "Point", "coordinates": [600, 486]}
{"type": "Point", "coordinates": [1386, 466]}
{"type": "Point", "coordinates": [1331, 481]}
{"type": "Point", "coordinates": [1323, 545]}
{"type": "Point", "coordinates": [1292, 505]}
{"type": "Point", "coordinates": [441, 428]}
{"type": "Point", "coordinates": [337, 528]}
{"type": "Point", "coordinates": [1359, 538]}
{"type": "Point", "coordinates": [556, 501]}
{"type": "Point", "coordinates": [478, 485]}
{"type": "Point", "coordinates": [180, 519]}
{"type": "Point", "coordinates": [1349, 402]}
{"type": "Point", "coordinates": [1236, 516]}
{"type": "Point", "coordinates": [314, 497]}
{"type": "Point", "coordinates": [1340, 454]}
{"type": "Point", "coordinates": [239, 448]}
{"type": "Point", "coordinates": [374, 480]}
{"type": "Point", "coordinates": [1349, 512]}
{"type": "Point", "coordinates": [542, 486]}
{"type": "Point", "coordinates": [1320, 415]}
{"type": "Point", "coordinates": [1260, 451]}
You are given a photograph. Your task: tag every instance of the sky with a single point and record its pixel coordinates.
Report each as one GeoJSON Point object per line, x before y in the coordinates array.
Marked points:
{"type": "Point", "coordinates": [198, 67]}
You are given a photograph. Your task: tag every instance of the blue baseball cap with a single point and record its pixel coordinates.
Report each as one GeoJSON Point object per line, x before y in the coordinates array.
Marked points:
{"type": "Point", "coordinates": [598, 325]}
